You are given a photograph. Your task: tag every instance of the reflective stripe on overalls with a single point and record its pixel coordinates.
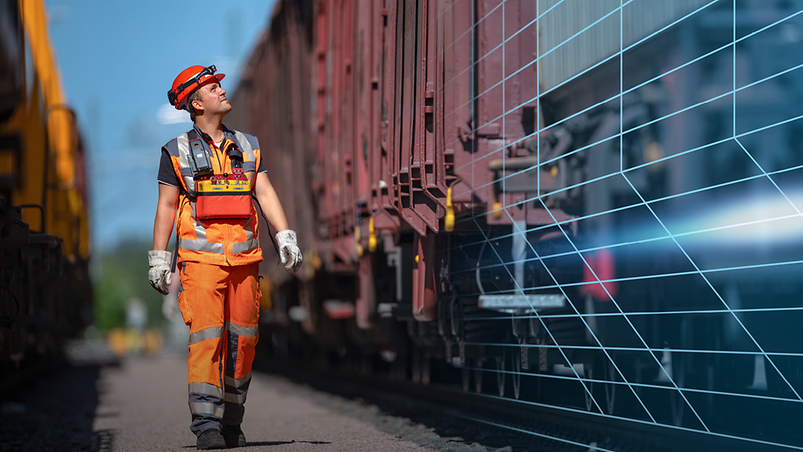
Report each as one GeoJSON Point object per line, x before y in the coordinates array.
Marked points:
{"type": "Point", "coordinates": [221, 306]}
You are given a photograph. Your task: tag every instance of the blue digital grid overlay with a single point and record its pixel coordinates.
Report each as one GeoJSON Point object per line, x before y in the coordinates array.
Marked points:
{"type": "Point", "coordinates": [765, 126]}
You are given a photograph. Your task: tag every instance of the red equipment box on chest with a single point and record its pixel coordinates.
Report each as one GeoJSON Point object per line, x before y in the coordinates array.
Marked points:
{"type": "Point", "coordinates": [223, 196]}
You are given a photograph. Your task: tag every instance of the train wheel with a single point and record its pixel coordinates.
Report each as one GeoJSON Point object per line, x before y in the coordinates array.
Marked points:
{"type": "Point", "coordinates": [517, 371]}
{"type": "Point", "coordinates": [501, 373]}
{"type": "Point", "coordinates": [677, 403]}
{"type": "Point", "coordinates": [415, 365]}
{"type": "Point", "coordinates": [588, 374]}
{"type": "Point", "coordinates": [610, 387]}
{"type": "Point", "coordinates": [426, 369]}
{"type": "Point", "coordinates": [421, 368]}
{"type": "Point", "coordinates": [465, 378]}
{"type": "Point", "coordinates": [478, 376]}
{"type": "Point", "coordinates": [605, 386]}
{"type": "Point", "coordinates": [677, 365]}
{"type": "Point", "coordinates": [398, 368]}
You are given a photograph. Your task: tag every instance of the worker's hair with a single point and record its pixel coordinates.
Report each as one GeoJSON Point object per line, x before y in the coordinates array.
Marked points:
{"type": "Point", "coordinates": [195, 95]}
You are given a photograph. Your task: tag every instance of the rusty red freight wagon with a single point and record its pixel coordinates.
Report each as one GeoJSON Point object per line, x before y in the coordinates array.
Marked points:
{"type": "Point", "coordinates": [548, 193]}
{"type": "Point", "coordinates": [388, 126]}
{"type": "Point", "coordinates": [384, 116]}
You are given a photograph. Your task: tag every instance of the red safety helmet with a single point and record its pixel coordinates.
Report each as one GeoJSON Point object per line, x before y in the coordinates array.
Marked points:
{"type": "Point", "coordinates": [188, 81]}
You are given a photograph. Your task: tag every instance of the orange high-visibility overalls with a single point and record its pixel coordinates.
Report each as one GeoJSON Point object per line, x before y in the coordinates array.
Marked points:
{"type": "Point", "coordinates": [219, 296]}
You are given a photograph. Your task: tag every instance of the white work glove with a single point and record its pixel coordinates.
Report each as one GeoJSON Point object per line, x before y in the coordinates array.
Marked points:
{"type": "Point", "coordinates": [159, 273]}
{"type": "Point", "coordinates": [288, 249]}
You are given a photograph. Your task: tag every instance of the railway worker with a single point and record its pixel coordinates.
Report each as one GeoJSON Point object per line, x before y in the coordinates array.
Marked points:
{"type": "Point", "coordinates": [207, 177]}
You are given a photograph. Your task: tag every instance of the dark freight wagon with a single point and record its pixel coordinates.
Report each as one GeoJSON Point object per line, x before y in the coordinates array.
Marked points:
{"type": "Point", "coordinates": [45, 289]}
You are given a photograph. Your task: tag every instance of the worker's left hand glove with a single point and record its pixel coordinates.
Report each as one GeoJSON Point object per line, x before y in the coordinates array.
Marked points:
{"type": "Point", "coordinates": [288, 249]}
{"type": "Point", "coordinates": [159, 273]}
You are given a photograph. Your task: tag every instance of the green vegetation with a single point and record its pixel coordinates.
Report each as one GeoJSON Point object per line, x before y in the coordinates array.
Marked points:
{"type": "Point", "coordinates": [121, 275]}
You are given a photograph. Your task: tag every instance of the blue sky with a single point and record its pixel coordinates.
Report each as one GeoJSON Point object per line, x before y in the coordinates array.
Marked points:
{"type": "Point", "coordinates": [117, 60]}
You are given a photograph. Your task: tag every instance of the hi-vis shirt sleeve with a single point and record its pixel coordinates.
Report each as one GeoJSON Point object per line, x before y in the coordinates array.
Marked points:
{"type": "Point", "coordinates": [167, 175]}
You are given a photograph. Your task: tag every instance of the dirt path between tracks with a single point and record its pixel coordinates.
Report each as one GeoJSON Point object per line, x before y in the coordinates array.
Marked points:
{"type": "Point", "coordinates": [140, 404]}
{"type": "Point", "coordinates": [143, 406]}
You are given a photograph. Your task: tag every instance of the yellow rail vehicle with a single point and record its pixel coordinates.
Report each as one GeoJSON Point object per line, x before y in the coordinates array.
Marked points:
{"type": "Point", "coordinates": [45, 291]}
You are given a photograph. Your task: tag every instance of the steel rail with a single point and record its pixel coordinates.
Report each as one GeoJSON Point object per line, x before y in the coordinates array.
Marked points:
{"type": "Point", "coordinates": [499, 422]}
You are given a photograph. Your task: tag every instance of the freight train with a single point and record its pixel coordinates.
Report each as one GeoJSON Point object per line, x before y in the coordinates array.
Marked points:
{"type": "Point", "coordinates": [45, 290]}
{"type": "Point", "coordinates": [589, 205]}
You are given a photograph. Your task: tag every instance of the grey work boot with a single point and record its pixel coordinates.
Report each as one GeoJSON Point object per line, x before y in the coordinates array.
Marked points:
{"type": "Point", "coordinates": [234, 436]}
{"type": "Point", "coordinates": [210, 439]}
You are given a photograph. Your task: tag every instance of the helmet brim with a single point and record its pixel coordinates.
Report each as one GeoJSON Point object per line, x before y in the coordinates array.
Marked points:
{"type": "Point", "coordinates": [211, 78]}
{"type": "Point", "coordinates": [207, 79]}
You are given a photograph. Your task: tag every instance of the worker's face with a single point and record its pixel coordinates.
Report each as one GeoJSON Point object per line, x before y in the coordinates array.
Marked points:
{"type": "Point", "coordinates": [213, 99]}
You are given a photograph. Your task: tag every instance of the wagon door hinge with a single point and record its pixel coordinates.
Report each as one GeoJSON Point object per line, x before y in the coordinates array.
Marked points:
{"type": "Point", "coordinates": [429, 98]}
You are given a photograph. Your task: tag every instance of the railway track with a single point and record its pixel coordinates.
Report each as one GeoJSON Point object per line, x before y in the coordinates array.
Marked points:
{"type": "Point", "coordinates": [504, 424]}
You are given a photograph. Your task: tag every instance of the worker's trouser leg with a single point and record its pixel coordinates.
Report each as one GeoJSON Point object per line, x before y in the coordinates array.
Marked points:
{"type": "Point", "coordinates": [221, 307]}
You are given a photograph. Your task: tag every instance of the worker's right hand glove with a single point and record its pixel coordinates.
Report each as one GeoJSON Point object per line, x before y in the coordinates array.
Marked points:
{"type": "Point", "coordinates": [288, 249]}
{"type": "Point", "coordinates": [159, 273]}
